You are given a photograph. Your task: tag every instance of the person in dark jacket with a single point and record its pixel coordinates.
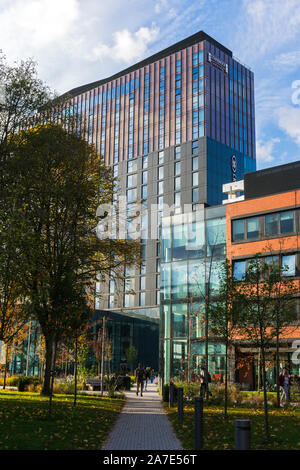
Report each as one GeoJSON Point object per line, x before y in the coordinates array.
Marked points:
{"type": "Point", "coordinates": [140, 375]}
{"type": "Point", "coordinates": [285, 383]}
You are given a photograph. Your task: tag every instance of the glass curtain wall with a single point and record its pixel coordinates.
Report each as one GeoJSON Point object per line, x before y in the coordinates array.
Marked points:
{"type": "Point", "coordinates": [193, 249]}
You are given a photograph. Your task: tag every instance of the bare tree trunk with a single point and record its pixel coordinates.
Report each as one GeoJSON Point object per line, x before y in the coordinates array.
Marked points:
{"type": "Point", "coordinates": [28, 350]}
{"type": "Point", "coordinates": [265, 391]}
{"type": "Point", "coordinates": [226, 381]}
{"type": "Point", "coordinates": [5, 366]}
{"type": "Point", "coordinates": [52, 374]}
{"type": "Point", "coordinates": [76, 363]}
{"type": "Point", "coordinates": [277, 371]}
{"type": "Point", "coordinates": [48, 364]}
{"type": "Point", "coordinates": [206, 340]}
{"type": "Point", "coordinates": [258, 376]}
{"type": "Point", "coordinates": [102, 356]}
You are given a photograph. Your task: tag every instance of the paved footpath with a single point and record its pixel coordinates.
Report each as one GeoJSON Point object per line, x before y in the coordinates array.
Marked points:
{"type": "Point", "coordinates": [142, 424]}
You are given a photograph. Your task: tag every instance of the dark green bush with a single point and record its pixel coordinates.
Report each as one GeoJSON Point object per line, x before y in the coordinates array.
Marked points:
{"type": "Point", "coordinates": [23, 382]}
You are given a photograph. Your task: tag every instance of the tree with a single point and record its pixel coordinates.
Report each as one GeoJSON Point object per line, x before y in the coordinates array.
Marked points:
{"type": "Point", "coordinates": [224, 314]}
{"type": "Point", "coordinates": [256, 320]}
{"type": "Point", "coordinates": [60, 181]}
{"type": "Point", "coordinates": [131, 355]}
{"type": "Point", "coordinates": [283, 307]}
{"type": "Point", "coordinates": [205, 280]}
{"type": "Point", "coordinates": [24, 99]}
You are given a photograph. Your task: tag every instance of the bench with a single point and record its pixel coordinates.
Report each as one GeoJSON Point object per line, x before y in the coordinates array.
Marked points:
{"type": "Point", "coordinates": [94, 384]}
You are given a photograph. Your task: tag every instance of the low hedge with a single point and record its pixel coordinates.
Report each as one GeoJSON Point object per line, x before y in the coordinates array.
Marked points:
{"type": "Point", "coordinates": [24, 382]}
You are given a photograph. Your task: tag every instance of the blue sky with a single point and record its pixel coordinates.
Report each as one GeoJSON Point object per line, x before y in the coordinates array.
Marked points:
{"type": "Point", "coordinates": [80, 41]}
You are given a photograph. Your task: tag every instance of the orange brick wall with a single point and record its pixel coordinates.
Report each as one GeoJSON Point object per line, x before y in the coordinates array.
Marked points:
{"type": "Point", "coordinates": [254, 206]}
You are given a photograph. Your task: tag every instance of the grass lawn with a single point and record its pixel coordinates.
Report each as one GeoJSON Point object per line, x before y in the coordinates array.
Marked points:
{"type": "Point", "coordinates": [218, 435]}
{"type": "Point", "coordinates": [24, 422]}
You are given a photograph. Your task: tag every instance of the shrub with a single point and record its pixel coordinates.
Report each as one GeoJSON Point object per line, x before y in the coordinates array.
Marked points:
{"type": "Point", "coordinates": [10, 381]}
{"type": "Point", "coordinates": [25, 382]}
{"type": "Point", "coordinates": [112, 384]}
{"type": "Point", "coordinates": [218, 393]}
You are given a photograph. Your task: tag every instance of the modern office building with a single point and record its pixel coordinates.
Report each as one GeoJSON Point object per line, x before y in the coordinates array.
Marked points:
{"type": "Point", "coordinates": [174, 127]}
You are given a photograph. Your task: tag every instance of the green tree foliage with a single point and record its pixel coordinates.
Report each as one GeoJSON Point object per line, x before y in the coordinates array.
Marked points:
{"type": "Point", "coordinates": [131, 355]}
{"type": "Point", "coordinates": [266, 301]}
{"type": "Point", "coordinates": [223, 314]}
{"type": "Point", "coordinates": [60, 181]}
{"type": "Point", "coordinates": [22, 96]}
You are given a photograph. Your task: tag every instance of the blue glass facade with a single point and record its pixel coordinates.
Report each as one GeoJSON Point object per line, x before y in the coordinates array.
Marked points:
{"type": "Point", "coordinates": [193, 247]}
{"type": "Point", "coordinates": [220, 168]}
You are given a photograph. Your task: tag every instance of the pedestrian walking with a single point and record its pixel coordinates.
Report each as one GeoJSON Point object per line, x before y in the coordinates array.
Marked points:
{"type": "Point", "coordinates": [147, 376]}
{"type": "Point", "coordinates": [204, 387]}
{"type": "Point", "coordinates": [285, 383]}
{"type": "Point", "coordinates": [140, 375]}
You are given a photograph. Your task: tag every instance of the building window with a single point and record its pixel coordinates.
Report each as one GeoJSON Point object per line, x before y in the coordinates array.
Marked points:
{"type": "Point", "coordinates": [195, 147]}
{"type": "Point", "coordinates": [177, 183]}
{"type": "Point", "coordinates": [145, 162]}
{"type": "Point", "coordinates": [288, 264]}
{"type": "Point", "coordinates": [271, 224]}
{"type": "Point", "coordinates": [287, 222]}
{"type": "Point", "coordinates": [161, 157]}
{"type": "Point", "coordinates": [131, 181]}
{"type": "Point", "coordinates": [177, 153]}
{"type": "Point", "coordinates": [160, 172]}
{"type": "Point", "coordinates": [195, 180]}
{"type": "Point", "coordinates": [160, 187]}
{"type": "Point", "coordinates": [195, 195]}
{"type": "Point", "coordinates": [195, 163]}
{"type": "Point", "coordinates": [145, 177]}
{"type": "Point", "coordinates": [129, 300]}
{"type": "Point", "coordinates": [132, 166]}
{"type": "Point", "coordinates": [238, 230]}
{"type": "Point", "coordinates": [144, 192]}
{"type": "Point", "coordinates": [252, 227]}
{"type": "Point", "coordinates": [142, 299]}
{"type": "Point", "coordinates": [177, 168]}
{"type": "Point", "coordinates": [239, 270]}
{"type": "Point", "coordinates": [131, 195]}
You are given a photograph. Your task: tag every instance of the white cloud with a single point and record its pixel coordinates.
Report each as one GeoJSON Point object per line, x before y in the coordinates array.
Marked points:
{"type": "Point", "coordinates": [264, 150]}
{"type": "Point", "coordinates": [28, 27]}
{"type": "Point", "coordinates": [265, 26]}
{"type": "Point", "coordinates": [289, 122]}
{"type": "Point", "coordinates": [127, 46]}
{"type": "Point", "coordinates": [161, 5]}
{"type": "Point", "coordinates": [288, 59]}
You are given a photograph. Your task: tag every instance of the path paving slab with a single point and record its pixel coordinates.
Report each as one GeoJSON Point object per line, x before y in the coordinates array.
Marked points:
{"type": "Point", "coordinates": [143, 424]}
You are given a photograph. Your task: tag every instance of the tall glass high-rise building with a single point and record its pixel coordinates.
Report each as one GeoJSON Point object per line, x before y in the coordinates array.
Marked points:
{"type": "Point", "coordinates": [174, 127]}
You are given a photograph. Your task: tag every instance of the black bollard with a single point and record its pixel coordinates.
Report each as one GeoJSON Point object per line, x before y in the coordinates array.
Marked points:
{"type": "Point", "coordinates": [198, 423]}
{"type": "Point", "coordinates": [242, 434]}
{"type": "Point", "coordinates": [180, 404]}
{"type": "Point", "coordinates": [171, 395]}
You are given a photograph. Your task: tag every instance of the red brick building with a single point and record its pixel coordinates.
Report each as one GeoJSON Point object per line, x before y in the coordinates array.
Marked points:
{"type": "Point", "coordinates": [267, 222]}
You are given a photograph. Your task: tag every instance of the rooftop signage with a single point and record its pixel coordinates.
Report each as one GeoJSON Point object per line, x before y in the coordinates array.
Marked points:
{"type": "Point", "coordinates": [217, 63]}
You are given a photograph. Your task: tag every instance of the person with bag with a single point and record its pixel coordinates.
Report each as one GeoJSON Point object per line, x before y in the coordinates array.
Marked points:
{"type": "Point", "coordinates": [140, 375]}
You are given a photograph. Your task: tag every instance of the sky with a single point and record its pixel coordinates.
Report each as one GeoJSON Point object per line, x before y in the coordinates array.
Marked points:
{"type": "Point", "coordinates": [80, 41]}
